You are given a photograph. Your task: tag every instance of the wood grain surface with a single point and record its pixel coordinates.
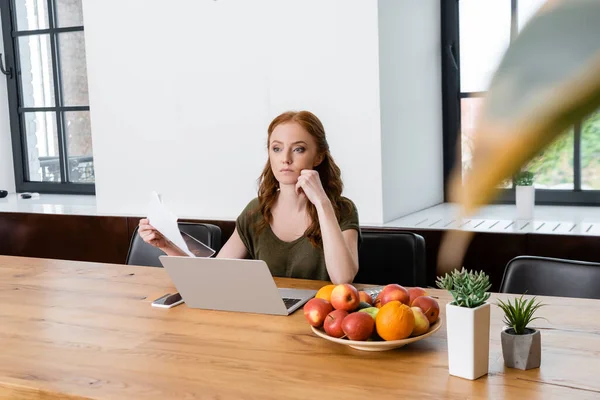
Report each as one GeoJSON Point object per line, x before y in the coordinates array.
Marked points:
{"type": "Point", "coordinates": [73, 329]}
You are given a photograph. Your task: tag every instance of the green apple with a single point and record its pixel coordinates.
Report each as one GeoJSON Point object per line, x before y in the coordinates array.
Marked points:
{"type": "Point", "coordinates": [372, 311]}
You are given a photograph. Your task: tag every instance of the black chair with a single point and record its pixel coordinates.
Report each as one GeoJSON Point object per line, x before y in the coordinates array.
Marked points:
{"type": "Point", "coordinates": [544, 276]}
{"type": "Point", "coordinates": [142, 253]}
{"type": "Point", "coordinates": [392, 257]}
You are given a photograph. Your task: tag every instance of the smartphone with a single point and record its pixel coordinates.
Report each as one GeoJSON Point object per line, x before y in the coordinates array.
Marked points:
{"type": "Point", "coordinates": [169, 300]}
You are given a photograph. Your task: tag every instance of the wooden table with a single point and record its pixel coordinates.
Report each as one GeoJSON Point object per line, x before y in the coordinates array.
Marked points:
{"type": "Point", "coordinates": [73, 329]}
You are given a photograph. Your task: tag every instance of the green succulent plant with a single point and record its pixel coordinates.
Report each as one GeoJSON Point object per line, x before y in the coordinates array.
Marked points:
{"type": "Point", "coordinates": [520, 313]}
{"type": "Point", "coordinates": [524, 178]}
{"type": "Point", "coordinates": [468, 288]}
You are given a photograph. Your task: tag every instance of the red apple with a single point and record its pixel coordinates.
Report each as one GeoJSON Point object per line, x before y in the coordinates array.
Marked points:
{"type": "Point", "coordinates": [366, 297]}
{"type": "Point", "coordinates": [315, 311]}
{"type": "Point", "coordinates": [345, 297]}
{"type": "Point", "coordinates": [430, 307]}
{"type": "Point", "coordinates": [333, 323]}
{"type": "Point", "coordinates": [358, 326]}
{"type": "Point", "coordinates": [393, 292]}
{"type": "Point", "coordinates": [415, 292]}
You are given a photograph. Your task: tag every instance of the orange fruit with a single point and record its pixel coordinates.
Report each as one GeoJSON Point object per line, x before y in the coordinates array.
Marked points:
{"type": "Point", "coordinates": [394, 321]}
{"type": "Point", "coordinates": [325, 292]}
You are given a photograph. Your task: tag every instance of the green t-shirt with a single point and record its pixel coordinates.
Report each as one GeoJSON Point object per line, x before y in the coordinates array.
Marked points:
{"type": "Point", "coordinates": [295, 259]}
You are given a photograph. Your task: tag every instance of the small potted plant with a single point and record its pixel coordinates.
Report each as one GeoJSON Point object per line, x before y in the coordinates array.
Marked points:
{"type": "Point", "coordinates": [525, 194]}
{"type": "Point", "coordinates": [521, 345]}
{"type": "Point", "coordinates": [467, 322]}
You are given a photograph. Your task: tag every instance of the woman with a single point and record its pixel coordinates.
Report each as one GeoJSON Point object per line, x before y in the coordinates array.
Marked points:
{"type": "Point", "coordinates": [299, 224]}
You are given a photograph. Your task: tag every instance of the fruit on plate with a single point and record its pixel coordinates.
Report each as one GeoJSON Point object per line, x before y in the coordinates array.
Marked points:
{"type": "Point", "coordinates": [421, 322]}
{"type": "Point", "coordinates": [315, 311]}
{"type": "Point", "coordinates": [333, 323]}
{"type": "Point", "coordinates": [358, 326]}
{"type": "Point", "coordinates": [393, 292]}
{"type": "Point", "coordinates": [377, 301]}
{"type": "Point", "coordinates": [415, 292]}
{"type": "Point", "coordinates": [430, 307]}
{"type": "Point", "coordinates": [325, 292]}
{"type": "Point", "coordinates": [365, 297]}
{"type": "Point", "coordinates": [394, 321]}
{"type": "Point", "coordinates": [345, 297]}
{"type": "Point", "coordinates": [372, 311]}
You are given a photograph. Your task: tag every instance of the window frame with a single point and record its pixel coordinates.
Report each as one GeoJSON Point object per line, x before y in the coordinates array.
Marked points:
{"type": "Point", "coordinates": [451, 100]}
{"type": "Point", "coordinates": [17, 112]}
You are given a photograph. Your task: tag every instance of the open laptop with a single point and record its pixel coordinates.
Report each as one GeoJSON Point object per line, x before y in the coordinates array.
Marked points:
{"type": "Point", "coordinates": [232, 285]}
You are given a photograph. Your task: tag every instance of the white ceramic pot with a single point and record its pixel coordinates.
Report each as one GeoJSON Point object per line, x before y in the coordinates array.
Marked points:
{"type": "Point", "coordinates": [468, 331]}
{"type": "Point", "coordinates": [525, 200]}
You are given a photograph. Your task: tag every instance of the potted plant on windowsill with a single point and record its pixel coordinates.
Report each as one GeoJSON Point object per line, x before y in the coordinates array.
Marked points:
{"type": "Point", "coordinates": [525, 194]}
{"type": "Point", "coordinates": [467, 322]}
{"type": "Point", "coordinates": [521, 346]}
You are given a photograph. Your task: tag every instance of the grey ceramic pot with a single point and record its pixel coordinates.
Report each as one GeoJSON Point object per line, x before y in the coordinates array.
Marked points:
{"type": "Point", "coordinates": [521, 351]}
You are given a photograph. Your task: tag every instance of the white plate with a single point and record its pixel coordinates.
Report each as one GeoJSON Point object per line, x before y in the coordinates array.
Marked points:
{"type": "Point", "coordinates": [378, 345]}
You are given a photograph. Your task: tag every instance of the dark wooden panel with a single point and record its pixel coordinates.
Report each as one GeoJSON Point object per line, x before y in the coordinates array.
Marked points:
{"type": "Point", "coordinates": [489, 252]}
{"type": "Point", "coordinates": [106, 239]}
{"type": "Point", "coordinates": [70, 237]}
{"type": "Point", "coordinates": [432, 245]}
{"type": "Point", "coordinates": [582, 248]}
{"type": "Point", "coordinates": [132, 223]}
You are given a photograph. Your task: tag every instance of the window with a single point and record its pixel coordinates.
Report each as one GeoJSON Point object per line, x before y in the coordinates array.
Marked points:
{"type": "Point", "coordinates": [46, 72]}
{"type": "Point", "coordinates": [475, 36]}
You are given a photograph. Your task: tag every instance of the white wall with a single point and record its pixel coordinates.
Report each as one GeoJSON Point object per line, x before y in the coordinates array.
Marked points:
{"type": "Point", "coordinates": [181, 97]}
{"type": "Point", "coordinates": [7, 172]}
{"type": "Point", "coordinates": [411, 105]}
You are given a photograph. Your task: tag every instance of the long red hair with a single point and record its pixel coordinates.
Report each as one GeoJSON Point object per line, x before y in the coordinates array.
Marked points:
{"type": "Point", "coordinates": [328, 170]}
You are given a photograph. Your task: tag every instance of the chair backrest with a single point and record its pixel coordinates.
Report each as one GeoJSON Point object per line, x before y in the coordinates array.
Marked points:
{"type": "Point", "coordinates": [544, 276]}
{"type": "Point", "coordinates": [392, 257]}
{"type": "Point", "coordinates": [142, 253]}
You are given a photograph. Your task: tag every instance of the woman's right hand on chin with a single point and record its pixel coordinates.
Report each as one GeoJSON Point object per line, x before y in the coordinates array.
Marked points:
{"type": "Point", "coordinates": [150, 235]}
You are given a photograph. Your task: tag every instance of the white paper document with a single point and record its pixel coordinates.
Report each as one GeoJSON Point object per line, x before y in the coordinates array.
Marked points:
{"type": "Point", "coordinates": [166, 223]}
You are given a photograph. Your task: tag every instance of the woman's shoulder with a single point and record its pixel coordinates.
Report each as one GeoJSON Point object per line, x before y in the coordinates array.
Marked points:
{"type": "Point", "coordinates": [347, 199]}
{"type": "Point", "coordinates": [348, 206]}
{"type": "Point", "coordinates": [251, 209]}
{"type": "Point", "coordinates": [348, 211]}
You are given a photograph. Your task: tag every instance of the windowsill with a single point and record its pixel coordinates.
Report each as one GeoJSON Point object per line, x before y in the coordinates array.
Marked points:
{"type": "Point", "coordinates": [557, 220]}
{"type": "Point", "coordinates": [59, 204]}
{"type": "Point", "coordinates": [561, 220]}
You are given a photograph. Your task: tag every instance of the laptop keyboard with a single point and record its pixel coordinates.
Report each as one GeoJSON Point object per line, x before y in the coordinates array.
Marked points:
{"type": "Point", "coordinates": [289, 302]}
